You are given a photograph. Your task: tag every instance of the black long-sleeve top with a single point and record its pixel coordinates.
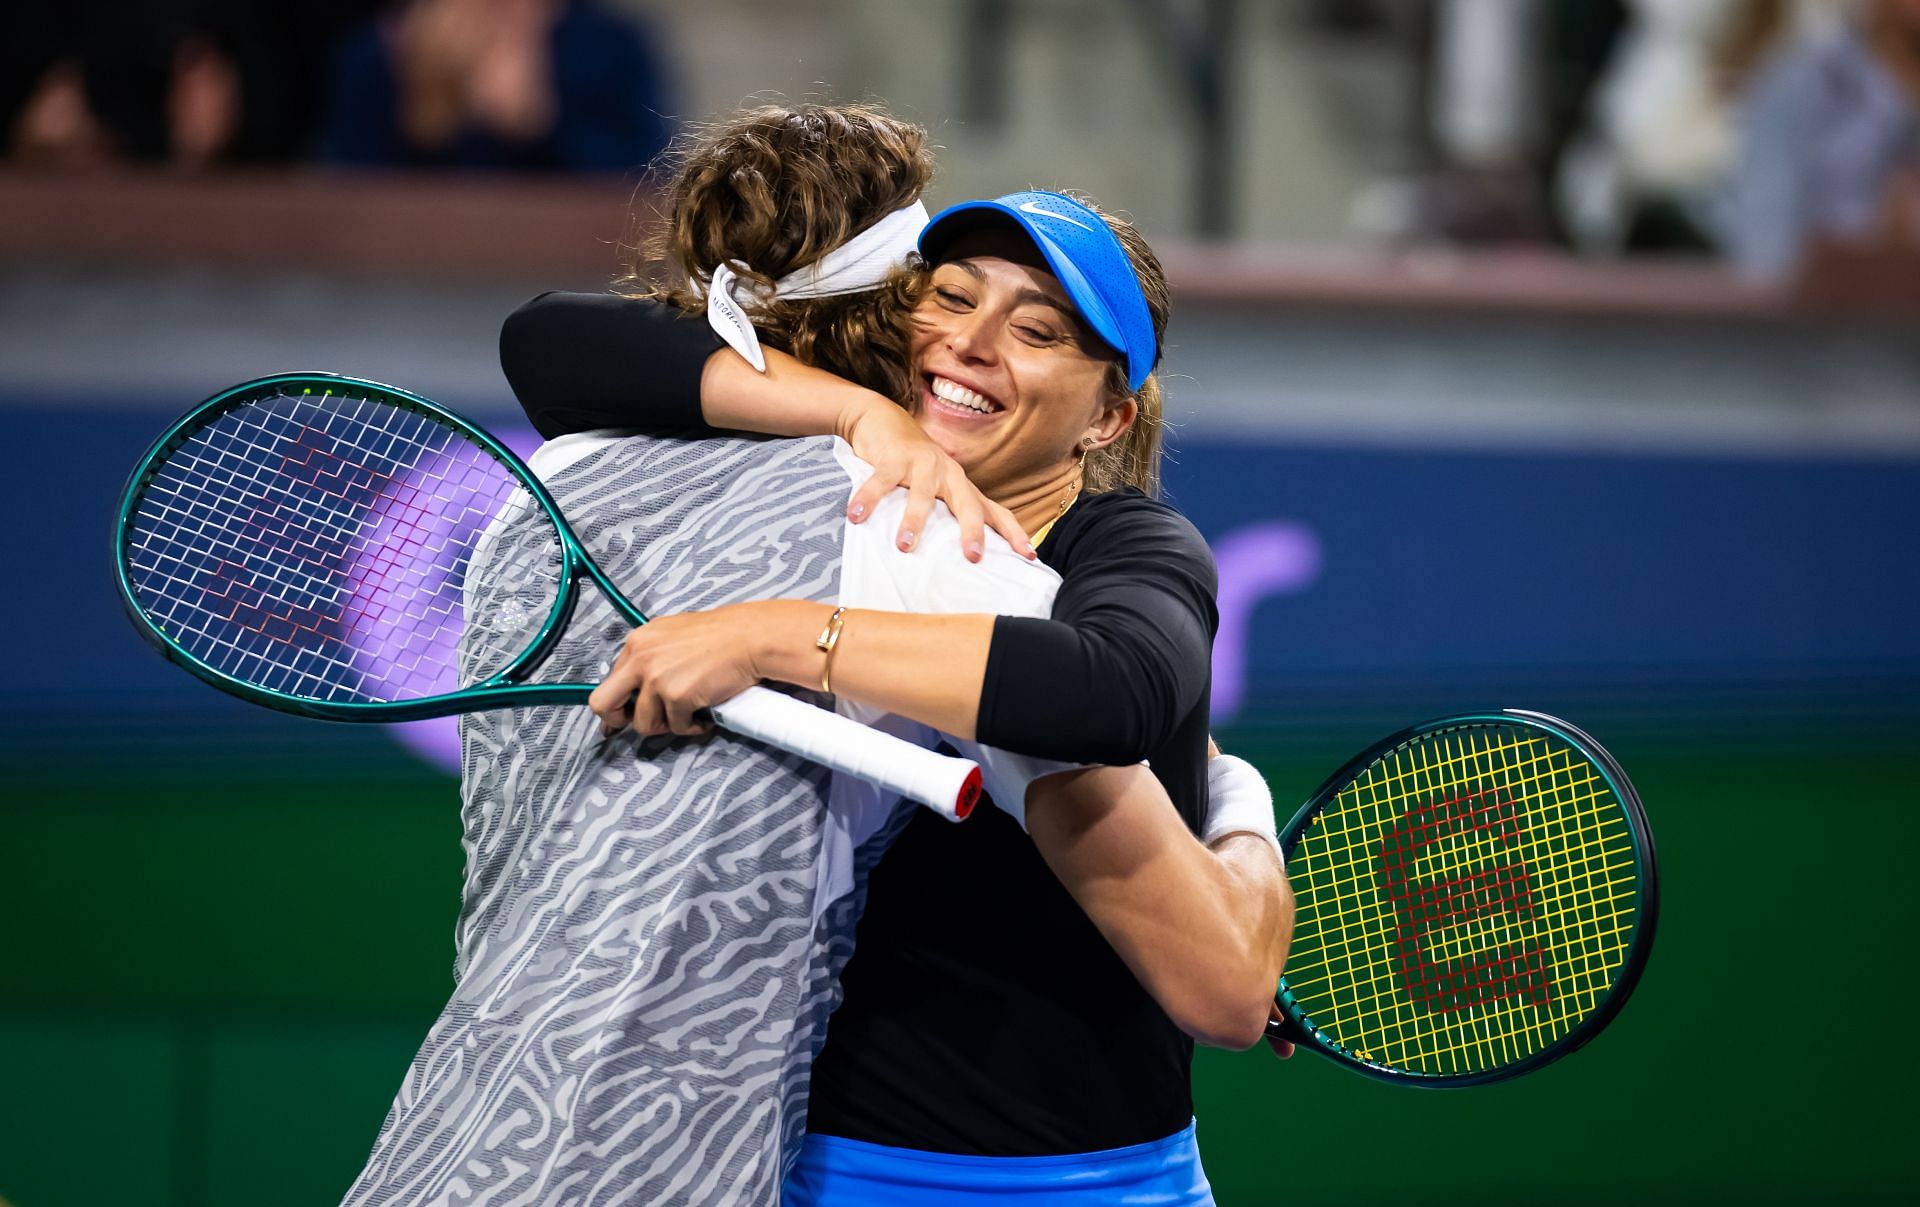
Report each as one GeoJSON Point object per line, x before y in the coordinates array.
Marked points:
{"type": "Point", "coordinates": [983, 1012]}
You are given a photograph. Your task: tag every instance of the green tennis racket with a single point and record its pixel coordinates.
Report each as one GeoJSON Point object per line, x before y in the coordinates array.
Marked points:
{"type": "Point", "coordinates": [1475, 898]}
{"type": "Point", "coordinates": [313, 543]}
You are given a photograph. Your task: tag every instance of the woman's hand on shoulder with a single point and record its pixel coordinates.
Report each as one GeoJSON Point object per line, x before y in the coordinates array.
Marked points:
{"type": "Point", "coordinates": [902, 455]}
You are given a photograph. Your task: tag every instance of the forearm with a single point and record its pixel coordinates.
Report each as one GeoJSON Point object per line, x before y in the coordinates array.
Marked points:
{"type": "Point", "coordinates": [578, 361]}
{"type": "Point", "coordinates": [1205, 929]}
{"type": "Point", "coordinates": [1254, 884]}
{"type": "Point", "coordinates": [789, 399]}
{"type": "Point", "coordinates": [926, 667]}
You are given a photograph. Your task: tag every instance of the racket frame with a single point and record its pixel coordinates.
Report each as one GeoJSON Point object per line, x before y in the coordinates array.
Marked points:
{"type": "Point", "coordinates": [500, 690]}
{"type": "Point", "coordinates": [950, 786]}
{"type": "Point", "coordinates": [1298, 1030]}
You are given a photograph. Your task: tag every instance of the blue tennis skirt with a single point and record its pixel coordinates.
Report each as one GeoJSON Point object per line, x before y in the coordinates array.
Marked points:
{"type": "Point", "coordinates": [835, 1172]}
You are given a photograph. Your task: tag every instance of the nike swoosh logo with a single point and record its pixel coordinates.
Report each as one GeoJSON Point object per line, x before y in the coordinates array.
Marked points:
{"type": "Point", "coordinates": [1032, 207]}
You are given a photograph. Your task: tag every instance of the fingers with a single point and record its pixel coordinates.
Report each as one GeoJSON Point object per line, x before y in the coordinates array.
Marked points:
{"type": "Point", "coordinates": [649, 712]}
{"type": "Point", "coordinates": [968, 509]}
{"type": "Point", "coordinates": [683, 716]}
{"type": "Point", "coordinates": [920, 496]}
{"type": "Point", "coordinates": [976, 512]}
{"type": "Point", "coordinates": [666, 674]}
{"type": "Point", "coordinates": [612, 701]}
{"type": "Point", "coordinates": [883, 479]}
{"type": "Point", "coordinates": [1003, 522]}
{"type": "Point", "coordinates": [625, 697]}
{"type": "Point", "coordinates": [939, 477]}
{"type": "Point", "coordinates": [1283, 1048]}
{"type": "Point", "coordinates": [614, 720]}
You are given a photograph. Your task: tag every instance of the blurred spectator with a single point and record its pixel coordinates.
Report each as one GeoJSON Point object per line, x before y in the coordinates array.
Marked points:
{"type": "Point", "coordinates": [1505, 81]}
{"type": "Point", "coordinates": [1613, 126]}
{"type": "Point", "coordinates": [526, 84]}
{"type": "Point", "coordinates": [1485, 81]}
{"type": "Point", "coordinates": [1831, 145]}
{"type": "Point", "coordinates": [188, 83]}
{"type": "Point", "coordinates": [1644, 166]}
{"type": "Point", "coordinates": [1485, 87]}
{"type": "Point", "coordinates": [143, 83]}
{"type": "Point", "coordinates": [1653, 133]}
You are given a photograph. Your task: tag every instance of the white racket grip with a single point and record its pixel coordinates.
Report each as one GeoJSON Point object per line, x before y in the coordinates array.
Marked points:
{"type": "Point", "coordinates": [948, 786]}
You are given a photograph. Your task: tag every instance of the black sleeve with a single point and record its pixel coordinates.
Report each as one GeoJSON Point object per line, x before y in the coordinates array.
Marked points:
{"type": "Point", "coordinates": [579, 361]}
{"type": "Point", "coordinates": [1127, 653]}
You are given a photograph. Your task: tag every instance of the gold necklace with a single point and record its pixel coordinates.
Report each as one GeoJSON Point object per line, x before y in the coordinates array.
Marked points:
{"type": "Point", "coordinates": [1073, 492]}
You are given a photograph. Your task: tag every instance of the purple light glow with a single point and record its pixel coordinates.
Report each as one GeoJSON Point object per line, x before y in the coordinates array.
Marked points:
{"type": "Point", "coordinates": [1276, 557]}
{"type": "Point", "coordinates": [437, 740]}
{"type": "Point", "coordinates": [402, 572]}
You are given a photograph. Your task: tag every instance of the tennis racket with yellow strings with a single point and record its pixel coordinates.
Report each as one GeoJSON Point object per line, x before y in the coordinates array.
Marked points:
{"type": "Point", "coordinates": [1475, 898]}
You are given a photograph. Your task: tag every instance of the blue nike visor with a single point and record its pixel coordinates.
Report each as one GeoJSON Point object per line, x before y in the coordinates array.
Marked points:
{"type": "Point", "coordinates": [1085, 256]}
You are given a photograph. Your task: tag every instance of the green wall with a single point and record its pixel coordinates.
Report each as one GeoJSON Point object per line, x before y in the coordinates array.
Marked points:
{"type": "Point", "coordinates": [210, 987]}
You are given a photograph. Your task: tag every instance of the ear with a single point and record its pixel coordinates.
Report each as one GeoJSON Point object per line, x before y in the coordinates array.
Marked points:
{"type": "Point", "coordinates": [1111, 424]}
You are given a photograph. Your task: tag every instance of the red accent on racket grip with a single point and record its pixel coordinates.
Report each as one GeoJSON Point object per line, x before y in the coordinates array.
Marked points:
{"type": "Point", "coordinates": [969, 796]}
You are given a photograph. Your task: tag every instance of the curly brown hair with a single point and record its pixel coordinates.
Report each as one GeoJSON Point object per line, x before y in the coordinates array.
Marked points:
{"type": "Point", "coordinates": [775, 189]}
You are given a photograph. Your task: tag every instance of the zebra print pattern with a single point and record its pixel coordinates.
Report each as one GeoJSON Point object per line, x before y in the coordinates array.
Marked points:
{"type": "Point", "coordinates": [642, 982]}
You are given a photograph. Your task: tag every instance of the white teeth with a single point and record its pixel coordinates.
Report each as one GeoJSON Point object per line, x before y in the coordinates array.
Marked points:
{"type": "Point", "coordinates": [960, 396]}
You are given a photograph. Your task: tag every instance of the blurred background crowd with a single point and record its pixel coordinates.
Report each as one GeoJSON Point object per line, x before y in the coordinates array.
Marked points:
{"type": "Point", "coordinates": [521, 85]}
{"type": "Point", "coordinates": [1755, 131]}
{"type": "Point", "coordinates": [1560, 354]}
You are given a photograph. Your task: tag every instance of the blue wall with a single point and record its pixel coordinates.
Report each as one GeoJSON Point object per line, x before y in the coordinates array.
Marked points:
{"type": "Point", "coordinates": [1357, 585]}
{"type": "Point", "coordinates": [224, 930]}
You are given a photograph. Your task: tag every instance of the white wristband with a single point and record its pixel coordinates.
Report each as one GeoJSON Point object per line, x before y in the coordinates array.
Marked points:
{"type": "Point", "coordinates": [1238, 802]}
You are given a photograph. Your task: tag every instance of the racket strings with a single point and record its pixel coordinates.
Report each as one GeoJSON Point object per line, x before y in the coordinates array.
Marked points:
{"type": "Point", "coordinates": [1502, 958]}
{"type": "Point", "coordinates": [1467, 900]}
{"type": "Point", "coordinates": [1505, 959]}
{"type": "Point", "coordinates": [318, 547]}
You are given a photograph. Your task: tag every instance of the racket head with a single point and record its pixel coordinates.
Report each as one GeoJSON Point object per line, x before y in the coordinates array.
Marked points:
{"type": "Point", "coordinates": [1476, 897]}
{"type": "Point", "coordinates": [301, 541]}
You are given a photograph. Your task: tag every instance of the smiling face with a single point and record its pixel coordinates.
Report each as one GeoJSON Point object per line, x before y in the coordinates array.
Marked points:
{"type": "Point", "coordinates": [1011, 380]}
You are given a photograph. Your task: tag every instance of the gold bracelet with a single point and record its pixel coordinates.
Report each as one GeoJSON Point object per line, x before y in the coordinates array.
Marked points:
{"type": "Point", "coordinates": [828, 640]}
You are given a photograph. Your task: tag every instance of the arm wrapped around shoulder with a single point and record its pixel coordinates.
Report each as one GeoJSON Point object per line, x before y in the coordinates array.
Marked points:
{"type": "Point", "coordinates": [582, 361]}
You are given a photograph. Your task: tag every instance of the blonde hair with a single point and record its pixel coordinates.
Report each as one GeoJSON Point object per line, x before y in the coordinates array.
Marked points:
{"type": "Point", "coordinates": [777, 188]}
{"type": "Point", "coordinates": [1134, 459]}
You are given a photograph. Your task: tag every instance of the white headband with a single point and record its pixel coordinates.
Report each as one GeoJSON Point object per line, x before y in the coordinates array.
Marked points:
{"type": "Point", "coordinates": [862, 262]}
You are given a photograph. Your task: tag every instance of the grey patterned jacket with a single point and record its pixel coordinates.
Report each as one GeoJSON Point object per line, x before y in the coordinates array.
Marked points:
{"type": "Point", "coordinates": [651, 933]}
